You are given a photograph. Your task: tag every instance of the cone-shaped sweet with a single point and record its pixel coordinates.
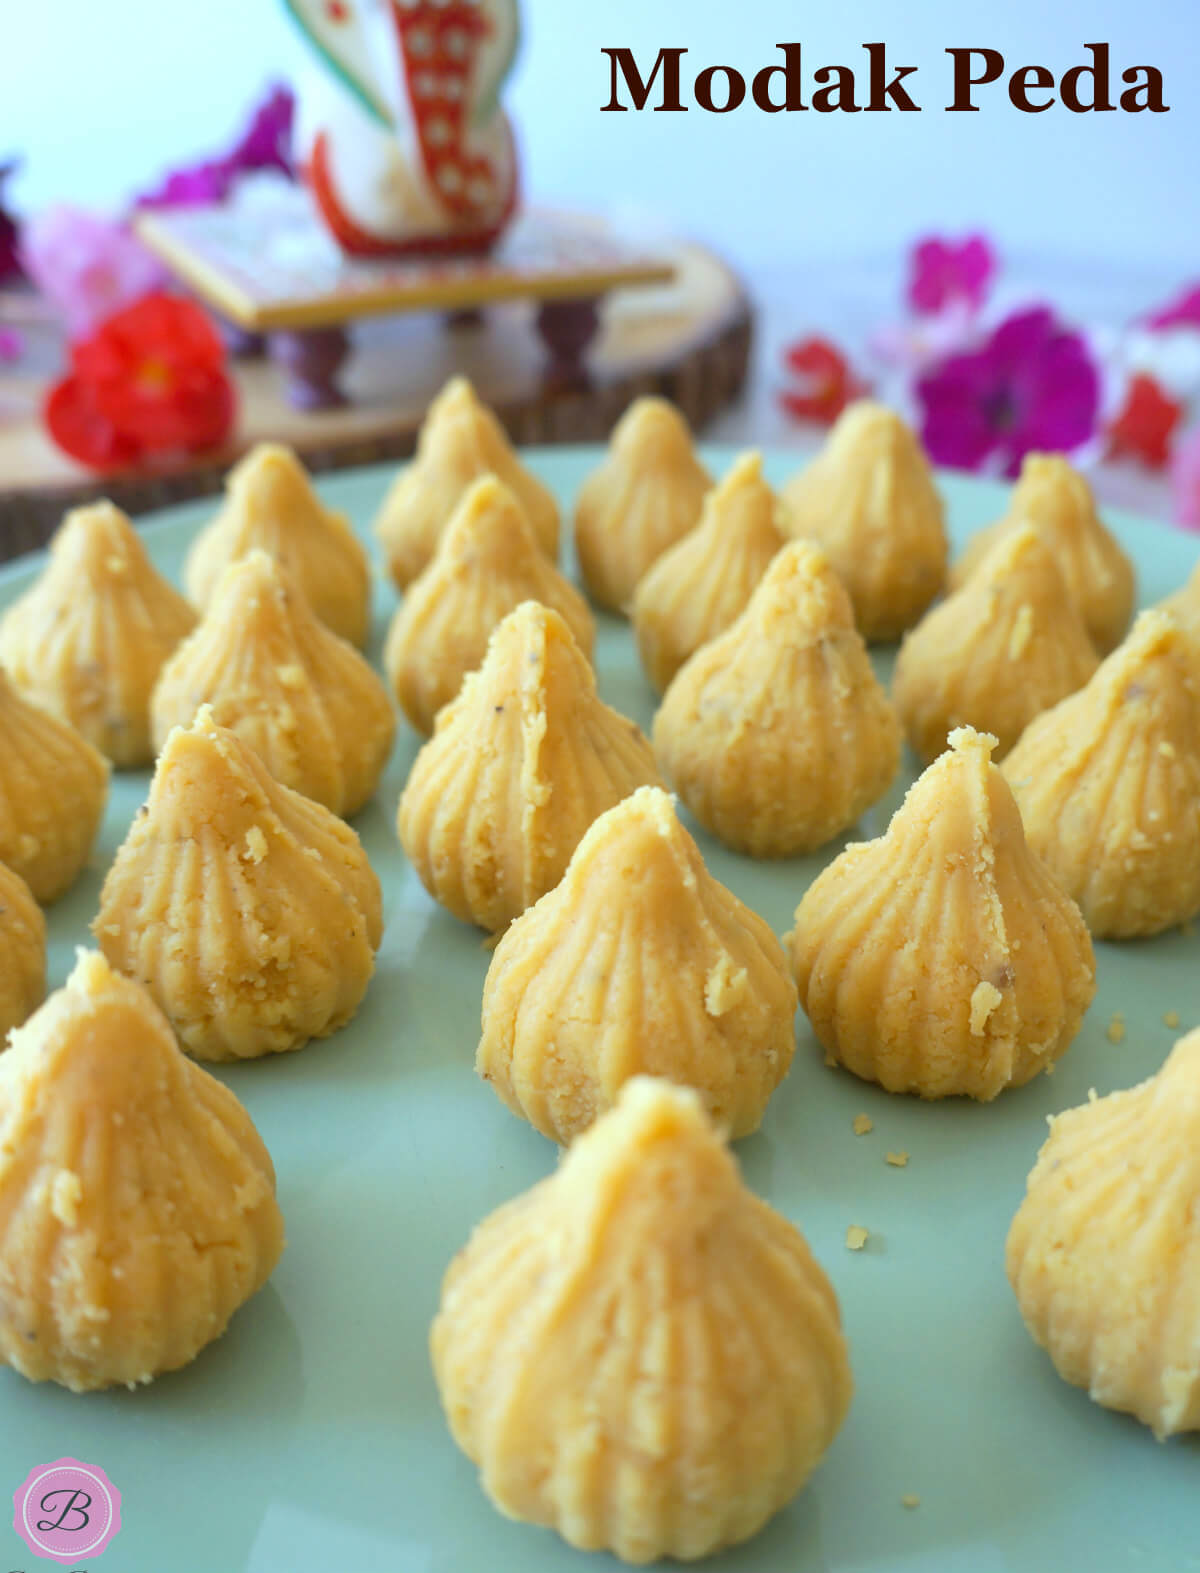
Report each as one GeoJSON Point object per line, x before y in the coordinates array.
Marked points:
{"type": "Point", "coordinates": [301, 697]}
{"type": "Point", "coordinates": [88, 640]}
{"type": "Point", "coordinates": [1184, 607]}
{"type": "Point", "coordinates": [518, 767]}
{"type": "Point", "coordinates": [1104, 1252]}
{"type": "Point", "coordinates": [1109, 786]}
{"type": "Point", "coordinates": [702, 583]}
{"type": "Point", "coordinates": [270, 502]}
{"type": "Point", "coordinates": [638, 1352]}
{"type": "Point", "coordinates": [943, 958]}
{"type": "Point", "coordinates": [869, 498]}
{"type": "Point", "coordinates": [249, 912]}
{"type": "Point", "coordinates": [777, 734]}
{"type": "Point", "coordinates": [1058, 502]}
{"type": "Point", "coordinates": [53, 788]}
{"type": "Point", "coordinates": [996, 653]}
{"type": "Point", "coordinates": [646, 495]}
{"type": "Point", "coordinates": [22, 952]}
{"type": "Point", "coordinates": [639, 961]}
{"type": "Point", "coordinates": [487, 563]}
{"type": "Point", "coordinates": [460, 442]}
{"type": "Point", "coordinates": [137, 1201]}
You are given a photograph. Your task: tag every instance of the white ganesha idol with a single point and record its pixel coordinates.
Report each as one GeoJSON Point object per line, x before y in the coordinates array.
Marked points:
{"type": "Point", "coordinates": [400, 131]}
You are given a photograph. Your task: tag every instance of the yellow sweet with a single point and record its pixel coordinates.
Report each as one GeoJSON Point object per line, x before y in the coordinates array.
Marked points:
{"type": "Point", "coordinates": [249, 912]}
{"type": "Point", "coordinates": [304, 700]}
{"type": "Point", "coordinates": [270, 503]}
{"type": "Point", "coordinates": [996, 653]}
{"type": "Point", "coordinates": [137, 1201]}
{"type": "Point", "coordinates": [22, 952]}
{"type": "Point", "coordinates": [639, 1353]}
{"type": "Point", "coordinates": [646, 495]}
{"type": "Point", "coordinates": [1184, 607]}
{"type": "Point", "coordinates": [53, 787]}
{"type": "Point", "coordinates": [86, 642]}
{"type": "Point", "coordinates": [518, 767]}
{"type": "Point", "coordinates": [460, 442]}
{"type": "Point", "coordinates": [869, 499]}
{"type": "Point", "coordinates": [702, 583]}
{"type": "Point", "coordinates": [943, 958]}
{"type": "Point", "coordinates": [1104, 1252]}
{"type": "Point", "coordinates": [777, 734]}
{"type": "Point", "coordinates": [638, 961]}
{"type": "Point", "coordinates": [487, 562]}
{"type": "Point", "coordinates": [1109, 781]}
{"type": "Point", "coordinates": [1058, 502]}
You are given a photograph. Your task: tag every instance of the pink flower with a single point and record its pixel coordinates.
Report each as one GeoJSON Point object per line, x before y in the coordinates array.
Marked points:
{"type": "Point", "coordinates": [264, 145]}
{"type": "Point", "coordinates": [1185, 480]}
{"type": "Point", "coordinates": [10, 230]}
{"type": "Point", "coordinates": [942, 272]}
{"type": "Point", "coordinates": [12, 345]}
{"type": "Point", "coordinates": [917, 342]}
{"type": "Point", "coordinates": [86, 265]}
{"type": "Point", "coordinates": [1182, 312]}
{"type": "Point", "coordinates": [1031, 386]}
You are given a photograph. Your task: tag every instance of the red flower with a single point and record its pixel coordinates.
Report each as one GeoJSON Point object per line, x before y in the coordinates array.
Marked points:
{"type": "Point", "coordinates": [1145, 425]}
{"type": "Point", "coordinates": [150, 381]}
{"type": "Point", "coordinates": [827, 382]}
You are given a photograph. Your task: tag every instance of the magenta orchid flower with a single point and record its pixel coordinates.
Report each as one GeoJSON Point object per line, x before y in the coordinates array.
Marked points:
{"type": "Point", "coordinates": [264, 145]}
{"type": "Point", "coordinates": [10, 230]}
{"type": "Point", "coordinates": [86, 265]}
{"type": "Point", "coordinates": [1182, 312]}
{"type": "Point", "coordinates": [944, 273]}
{"type": "Point", "coordinates": [1185, 480]}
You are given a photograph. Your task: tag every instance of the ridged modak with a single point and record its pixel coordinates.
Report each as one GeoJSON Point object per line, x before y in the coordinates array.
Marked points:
{"type": "Point", "coordinates": [943, 958]}
{"type": "Point", "coordinates": [639, 1353]}
{"type": "Point", "coordinates": [487, 562]}
{"type": "Point", "coordinates": [869, 499]}
{"type": "Point", "coordinates": [22, 952]}
{"type": "Point", "coordinates": [1104, 1253]}
{"type": "Point", "coordinates": [53, 788]}
{"type": "Point", "coordinates": [518, 767]}
{"type": "Point", "coordinates": [137, 1201]}
{"type": "Point", "coordinates": [304, 699]}
{"type": "Point", "coordinates": [86, 642]}
{"type": "Point", "coordinates": [996, 653]}
{"type": "Point", "coordinates": [647, 494]}
{"type": "Point", "coordinates": [1109, 780]}
{"type": "Point", "coordinates": [460, 442]}
{"type": "Point", "coordinates": [639, 961]}
{"type": "Point", "coordinates": [1058, 502]}
{"type": "Point", "coordinates": [777, 734]}
{"type": "Point", "coordinates": [702, 583]}
{"type": "Point", "coordinates": [270, 503]}
{"type": "Point", "coordinates": [1184, 607]}
{"type": "Point", "coordinates": [249, 912]}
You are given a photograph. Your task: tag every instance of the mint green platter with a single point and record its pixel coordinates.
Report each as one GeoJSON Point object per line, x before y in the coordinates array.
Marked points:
{"type": "Point", "coordinates": [309, 1439]}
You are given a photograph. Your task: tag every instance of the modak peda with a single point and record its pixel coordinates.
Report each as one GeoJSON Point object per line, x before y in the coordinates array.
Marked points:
{"type": "Point", "coordinates": [1184, 607]}
{"type": "Point", "coordinates": [943, 958]}
{"type": "Point", "coordinates": [304, 700]}
{"type": "Point", "coordinates": [22, 952]}
{"type": "Point", "coordinates": [638, 1352]}
{"type": "Point", "coordinates": [638, 961]}
{"type": "Point", "coordinates": [249, 912]}
{"type": "Point", "coordinates": [487, 563]}
{"type": "Point", "coordinates": [87, 641]}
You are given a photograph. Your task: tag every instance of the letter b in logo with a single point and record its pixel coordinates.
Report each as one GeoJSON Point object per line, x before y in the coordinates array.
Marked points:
{"type": "Point", "coordinates": [67, 1511]}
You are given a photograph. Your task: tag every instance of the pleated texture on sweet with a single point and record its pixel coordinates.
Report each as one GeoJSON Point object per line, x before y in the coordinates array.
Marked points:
{"type": "Point", "coordinates": [22, 952]}
{"type": "Point", "coordinates": [702, 583]}
{"type": "Point", "coordinates": [460, 442]}
{"type": "Point", "coordinates": [302, 698]}
{"type": "Point", "coordinates": [87, 640]}
{"type": "Point", "coordinates": [53, 788]}
{"type": "Point", "coordinates": [1058, 502]}
{"type": "Point", "coordinates": [638, 1352]}
{"type": "Point", "coordinates": [870, 500]}
{"type": "Point", "coordinates": [270, 503]}
{"type": "Point", "coordinates": [1108, 782]}
{"type": "Point", "coordinates": [646, 495]}
{"type": "Point", "coordinates": [1104, 1253]}
{"type": "Point", "coordinates": [248, 911]}
{"type": "Point", "coordinates": [637, 962]}
{"type": "Point", "coordinates": [777, 734]}
{"type": "Point", "coordinates": [518, 767]}
{"type": "Point", "coordinates": [137, 1200]}
{"type": "Point", "coordinates": [943, 958]}
{"type": "Point", "coordinates": [1184, 607]}
{"type": "Point", "coordinates": [487, 562]}
{"type": "Point", "coordinates": [996, 653]}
